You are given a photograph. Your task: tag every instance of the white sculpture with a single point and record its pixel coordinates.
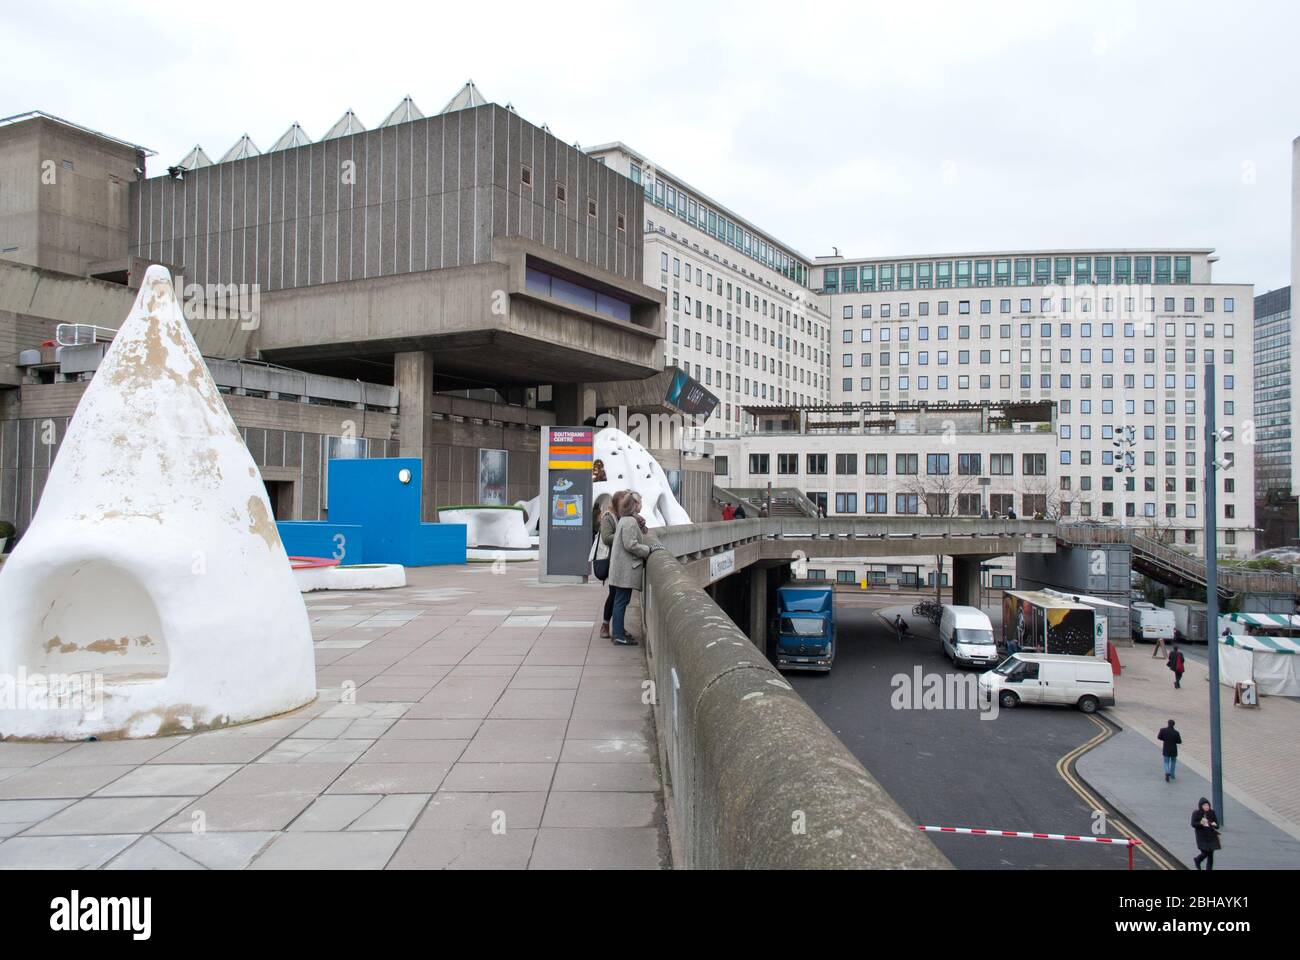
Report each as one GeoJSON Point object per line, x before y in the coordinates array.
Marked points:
{"type": "Point", "coordinates": [628, 466]}
{"type": "Point", "coordinates": [151, 593]}
{"type": "Point", "coordinates": [490, 526]}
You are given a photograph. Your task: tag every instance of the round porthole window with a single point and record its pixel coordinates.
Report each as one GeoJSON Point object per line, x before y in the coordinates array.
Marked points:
{"type": "Point", "coordinates": [404, 475]}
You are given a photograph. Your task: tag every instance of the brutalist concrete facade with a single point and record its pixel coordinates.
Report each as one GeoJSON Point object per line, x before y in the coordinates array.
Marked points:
{"type": "Point", "coordinates": [429, 194]}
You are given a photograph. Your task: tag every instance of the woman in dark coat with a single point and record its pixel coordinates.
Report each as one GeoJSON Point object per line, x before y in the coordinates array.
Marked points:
{"type": "Point", "coordinates": [1206, 824]}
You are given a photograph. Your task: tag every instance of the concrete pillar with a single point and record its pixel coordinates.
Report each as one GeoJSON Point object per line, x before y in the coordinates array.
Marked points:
{"type": "Point", "coordinates": [413, 377]}
{"type": "Point", "coordinates": [758, 608]}
{"type": "Point", "coordinates": [575, 403]}
{"type": "Point", "coordinates": [966, 581]}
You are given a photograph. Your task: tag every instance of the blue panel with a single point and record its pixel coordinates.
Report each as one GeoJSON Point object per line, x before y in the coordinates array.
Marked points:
{"type": "Point", "coordinates": [369, 494]}
{"type": "Point", "coordinates": [342, 542]}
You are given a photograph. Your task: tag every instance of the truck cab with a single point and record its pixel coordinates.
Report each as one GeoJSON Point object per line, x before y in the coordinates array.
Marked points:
{"type": "Point", "coordinates": [805, 628]}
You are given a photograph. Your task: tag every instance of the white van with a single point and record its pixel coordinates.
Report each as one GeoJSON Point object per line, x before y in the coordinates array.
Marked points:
{"type": "Point", "coordinates": [1085, 682]}
{"type": "Point", "coordinates": [1151, 623]}
{"type": "Point", "coordinates": [966, 635]}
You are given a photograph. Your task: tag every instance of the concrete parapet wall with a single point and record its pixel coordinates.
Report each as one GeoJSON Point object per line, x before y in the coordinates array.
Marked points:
{"type": "Point", "coordinates": [757, 780]}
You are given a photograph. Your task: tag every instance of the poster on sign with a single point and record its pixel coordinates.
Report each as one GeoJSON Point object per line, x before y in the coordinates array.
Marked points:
{"type": "Point", "coordinates": [566, 531]}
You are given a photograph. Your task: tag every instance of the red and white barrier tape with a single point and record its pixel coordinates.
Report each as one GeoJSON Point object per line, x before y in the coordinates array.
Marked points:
{"type": "Point", "coordinates": [980, 832]}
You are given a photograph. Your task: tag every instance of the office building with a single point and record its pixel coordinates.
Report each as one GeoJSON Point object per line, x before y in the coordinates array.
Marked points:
{"type": "Point", "coordinates": [1118, 339]}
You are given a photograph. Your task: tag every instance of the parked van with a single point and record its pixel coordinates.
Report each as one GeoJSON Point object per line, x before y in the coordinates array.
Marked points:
{"type": "Point", "coordinates": [1085, 682]}
{"type": "Point", "coordinates": [1151, 623]}
{"type": "Point", "coordinates": [966, 635]}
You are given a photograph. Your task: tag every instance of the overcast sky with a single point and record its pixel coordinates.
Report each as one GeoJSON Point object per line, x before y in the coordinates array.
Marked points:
{"type": "Point", "coordinates": [880, 129]}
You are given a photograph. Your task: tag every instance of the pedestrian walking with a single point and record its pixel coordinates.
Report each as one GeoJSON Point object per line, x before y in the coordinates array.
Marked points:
{"type": "Point", "coordinates": [1177, 663]}
{"type": "Point", "coordinates": [629, 551]}
{"type": "Point", "coordinates": [1169, 739]}
{"type": "Point", "coordinates": [762, 510]}
{"type": "Point", "coordinates": [728, 512]}
{"type": "Point", "coordinates": [740, 512]}
{"type": "Point", "coordinates": [606, 522]}
{"type": "Point", "coordinates": [1206, 824]}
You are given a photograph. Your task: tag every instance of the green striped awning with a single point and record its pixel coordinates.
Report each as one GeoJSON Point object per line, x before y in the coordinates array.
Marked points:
{"type": "Point", "coordinates": [1284, 620]}
{"type": "Point", "coordinates": [1263, 644]}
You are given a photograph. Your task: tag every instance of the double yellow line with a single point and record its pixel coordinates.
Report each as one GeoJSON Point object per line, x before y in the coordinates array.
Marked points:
{"type": "Point", "coordinates": [1063, 768]}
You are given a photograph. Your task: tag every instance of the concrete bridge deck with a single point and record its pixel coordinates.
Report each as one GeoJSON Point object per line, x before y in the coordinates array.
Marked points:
{"type": "Point", "coordinates": [784, 539]}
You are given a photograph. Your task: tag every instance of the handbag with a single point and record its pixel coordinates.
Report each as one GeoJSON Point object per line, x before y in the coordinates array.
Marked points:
{"type": "Point", "coordinates": [599, 563]}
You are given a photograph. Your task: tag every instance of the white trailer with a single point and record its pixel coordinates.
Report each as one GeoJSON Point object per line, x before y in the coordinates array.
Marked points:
{"type": "Point", "coordinates": [1189, 620]}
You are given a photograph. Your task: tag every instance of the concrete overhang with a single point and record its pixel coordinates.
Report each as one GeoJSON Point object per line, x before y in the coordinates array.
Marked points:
{"type": "Point", "coordinates": [782, 540]}
{"type": "Point", "coordinates": [482, 321]}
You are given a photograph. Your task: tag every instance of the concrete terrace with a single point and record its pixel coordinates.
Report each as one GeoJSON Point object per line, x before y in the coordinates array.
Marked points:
{"type": "Point", "coordinates": [472, 719]}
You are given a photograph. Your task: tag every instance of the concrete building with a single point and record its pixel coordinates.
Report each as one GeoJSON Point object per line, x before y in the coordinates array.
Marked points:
{"type": "Point", "coordinates": [66, 200]}
{"type": "Point", "coordinates": [469, 271]}
{"type": "Point", "coordinates": [1273, 393]}
{"type": "Point", "coordinates": [1295, 279]}
{"type": "Point", "coordinates": [901, 459]}
{"type": "Point", "coordinates": [1118, 339]}
{"type": "Point", "coordinates": [740, 317]}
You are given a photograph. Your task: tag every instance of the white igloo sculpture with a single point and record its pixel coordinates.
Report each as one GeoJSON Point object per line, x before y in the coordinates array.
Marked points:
{"type": "Point", "coordinates": [628, 466]}
{"type": "Point", "coordinates": [151, 593]}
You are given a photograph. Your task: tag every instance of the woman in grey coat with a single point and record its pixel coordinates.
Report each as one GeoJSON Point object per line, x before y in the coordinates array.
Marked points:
{"type": "Point", "coordinates": [627, 562]}
{"type": "Point", "coordinates": [602, 550]}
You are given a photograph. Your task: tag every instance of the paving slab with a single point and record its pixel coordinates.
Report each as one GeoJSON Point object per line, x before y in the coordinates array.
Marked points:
{"type": "Point", "coordinates": [330, 851]}
{"type": "Point", "coordinates": [466, 721]}
{"type": "Point", "coordinates": [1127, 771]}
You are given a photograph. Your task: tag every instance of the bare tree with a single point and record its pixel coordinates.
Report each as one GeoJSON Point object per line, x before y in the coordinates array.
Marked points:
{"type": "Point", "coordinates": [941, 494]}
{"type": "Point", "coordinates": [1047, 496]}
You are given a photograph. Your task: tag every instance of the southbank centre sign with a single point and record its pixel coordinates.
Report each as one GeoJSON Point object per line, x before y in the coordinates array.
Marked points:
{"type": "Point", "coordinates": [566, 530]}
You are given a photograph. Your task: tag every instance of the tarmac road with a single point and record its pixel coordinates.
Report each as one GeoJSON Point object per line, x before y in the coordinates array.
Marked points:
{"type": "Point", "coordinates": [948, 767]}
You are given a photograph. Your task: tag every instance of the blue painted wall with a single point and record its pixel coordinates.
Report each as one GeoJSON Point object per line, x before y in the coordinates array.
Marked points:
{"type": "Point", "coordinates": [338, 541]}
{"type": "Point", "coordinates": [379, 518]}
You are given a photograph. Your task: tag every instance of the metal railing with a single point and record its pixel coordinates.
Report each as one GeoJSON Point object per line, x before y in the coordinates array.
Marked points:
{"type": "Point", "coordinates": [1187, 566]}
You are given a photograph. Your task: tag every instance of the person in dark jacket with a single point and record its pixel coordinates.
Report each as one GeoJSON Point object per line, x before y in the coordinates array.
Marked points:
{"type": "Point", "coordinates": [1169, 739]}
{"type": "Point", "coordinates": [1206, 824]}
{"type": "Point", "coordinates": [1177, 663]}
{"type": "Point", "coordinates": [740, 512]}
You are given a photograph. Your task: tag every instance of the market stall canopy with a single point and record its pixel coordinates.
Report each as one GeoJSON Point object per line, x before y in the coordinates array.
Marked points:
{"type": "Point", "coordinates": [1285, 621]}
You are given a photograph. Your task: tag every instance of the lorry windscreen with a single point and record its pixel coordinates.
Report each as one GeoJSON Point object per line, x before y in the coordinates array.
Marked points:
{"type": "Point", "coordinates": [980, 637]}
{"type": "Point", "coordinates": [802, 626]}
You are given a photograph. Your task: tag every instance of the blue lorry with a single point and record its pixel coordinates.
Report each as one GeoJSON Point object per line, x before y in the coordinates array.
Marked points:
{"type": "Point", "coordinates": [805, 628]}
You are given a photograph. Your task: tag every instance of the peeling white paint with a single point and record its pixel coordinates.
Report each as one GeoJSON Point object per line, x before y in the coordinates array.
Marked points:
{"type": "Point", "coordinates": [153, 560]}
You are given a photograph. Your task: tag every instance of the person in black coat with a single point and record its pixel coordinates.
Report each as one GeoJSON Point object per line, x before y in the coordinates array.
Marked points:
{"type": "Point", "coordinates": [1169, 739]}
{"type": "Point", "coordinates": [1177, 663]}
{"type": "Point", "coordinates": [1206, 824]}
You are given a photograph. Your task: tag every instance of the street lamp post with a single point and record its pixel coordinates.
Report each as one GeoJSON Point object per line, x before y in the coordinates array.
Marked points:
{"type": "Point", "coordinates": [1212, 464]}
{"type": "Point", "coordinates": [1125, 465]}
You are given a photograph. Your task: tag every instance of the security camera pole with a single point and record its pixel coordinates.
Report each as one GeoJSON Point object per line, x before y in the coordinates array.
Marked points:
{"type": "Point", "coordinates": [1212, 590]}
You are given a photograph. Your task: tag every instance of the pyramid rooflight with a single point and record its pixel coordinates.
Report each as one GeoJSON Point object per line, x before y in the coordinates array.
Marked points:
{"type": "Point", "coordinates": [404, 112]}
{"type": "Point", "coordinates": [195, 159]}
{"type": "Point", "coordinates": [465, 98]}
{"type": "Point", "coordinates": [243, 149]}
{"type": "Point", "coordinates": [295, 136]}
{"type": "Point", "coordinates": [346, 126]}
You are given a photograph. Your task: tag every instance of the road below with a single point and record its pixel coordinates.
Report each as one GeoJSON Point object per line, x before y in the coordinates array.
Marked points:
{"type": "Point", "coordinates": [948, 767]}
